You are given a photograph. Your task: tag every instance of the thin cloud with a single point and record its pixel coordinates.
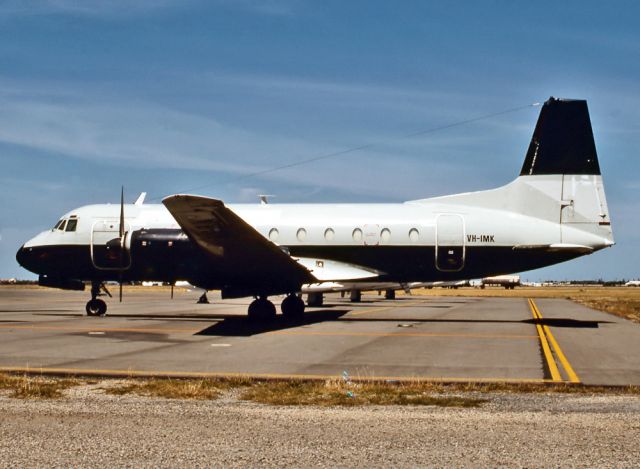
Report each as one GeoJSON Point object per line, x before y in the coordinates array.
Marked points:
{"type": "Point", "coordinates": [126, 8]}
{"type": "Point", "coordinates": [141, 134]}
{"type": "Point", "coordinates": [90, 8]}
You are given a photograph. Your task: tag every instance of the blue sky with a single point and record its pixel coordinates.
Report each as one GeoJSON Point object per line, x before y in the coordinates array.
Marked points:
{"type": "Point", "coordinates": [164, 96]}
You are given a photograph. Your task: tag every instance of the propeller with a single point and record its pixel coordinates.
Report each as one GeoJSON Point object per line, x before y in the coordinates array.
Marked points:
{"type": "Point", "coordinates": [121, 233]}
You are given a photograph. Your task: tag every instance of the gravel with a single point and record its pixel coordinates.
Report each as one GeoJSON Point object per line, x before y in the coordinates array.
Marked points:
{"type": "Point", "coordinates": [88, 428]}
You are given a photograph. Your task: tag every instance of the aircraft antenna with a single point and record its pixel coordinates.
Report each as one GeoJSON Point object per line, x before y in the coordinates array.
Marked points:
{"type": "Point", "coordinates": [366, 146]}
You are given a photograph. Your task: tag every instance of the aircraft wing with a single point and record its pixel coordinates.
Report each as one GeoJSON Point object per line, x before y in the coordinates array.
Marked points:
{"type": "Point", "coordinates": [235, 247]}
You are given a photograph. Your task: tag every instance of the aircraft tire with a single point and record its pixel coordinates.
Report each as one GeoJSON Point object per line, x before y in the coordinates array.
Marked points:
{"type": "Point", "coordinates": [292, 307]}
{"type": "Point", "coordinates": [96, 307]}
{"type": "Point", "coordinates": [262, 309]}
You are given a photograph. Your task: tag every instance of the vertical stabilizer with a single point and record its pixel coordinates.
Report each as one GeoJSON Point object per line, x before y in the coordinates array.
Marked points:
{"type": "Point", "coordinates": [562, 142]}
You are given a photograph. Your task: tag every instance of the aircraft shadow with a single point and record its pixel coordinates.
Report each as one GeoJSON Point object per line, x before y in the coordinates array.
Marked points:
{"type": "Point", "coordinates": [153, 317]}
{"type": "Point", "coordinates": [39, 312]}
{"type": "Point", "coordinates": [242, 326]}
{"type": "Point", "coordinates": [555, 322]}
{"type": "Point", "coordinates": [566, 322]}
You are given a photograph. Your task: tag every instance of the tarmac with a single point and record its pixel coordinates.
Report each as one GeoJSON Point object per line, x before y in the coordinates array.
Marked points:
{"type": "Point", "coordinates": [467, 339]}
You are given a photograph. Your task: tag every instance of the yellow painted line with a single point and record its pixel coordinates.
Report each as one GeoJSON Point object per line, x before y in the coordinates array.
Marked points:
{"type": "Point", "coordinates": [571, 374]}
{"type": "Point", "coordinates": [546, 350]}
{"type": "Point", "coordinates": [402, 334]}
{"type": "Point", "coordinates": [96, 329]}
{"type": "Point", "coordinates": [259, 376]}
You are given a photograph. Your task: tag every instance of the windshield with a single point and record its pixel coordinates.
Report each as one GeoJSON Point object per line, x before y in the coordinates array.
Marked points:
{"type": "Point", "coordinates": [71, 224]}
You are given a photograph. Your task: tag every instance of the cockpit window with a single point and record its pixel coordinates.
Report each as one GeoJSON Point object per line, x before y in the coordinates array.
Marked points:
{"type": "Point", "coordinates": [71, 224]}
{"type": "Point", "coordinates": [62, 225]}
{"type": "Point", "coordinates": [58, 224]}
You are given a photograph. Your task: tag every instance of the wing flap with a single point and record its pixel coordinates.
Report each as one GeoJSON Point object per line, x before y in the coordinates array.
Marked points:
{"type": "Point", "coordinates": [326, 270]}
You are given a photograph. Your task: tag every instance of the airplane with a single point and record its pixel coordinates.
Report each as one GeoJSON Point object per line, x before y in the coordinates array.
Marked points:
{"type": "Point", "coordinates": [554, 211]}
{"type": "Point", "coordinates": [509, 282]}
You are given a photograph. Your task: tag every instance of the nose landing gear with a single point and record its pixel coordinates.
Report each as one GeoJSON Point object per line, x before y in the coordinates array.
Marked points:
{"type": "Point", "coordinates": [95, 306]}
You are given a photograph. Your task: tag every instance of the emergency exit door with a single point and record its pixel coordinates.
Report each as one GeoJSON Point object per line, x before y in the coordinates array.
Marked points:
{"type": "Point", "coordinates": [449, 242]}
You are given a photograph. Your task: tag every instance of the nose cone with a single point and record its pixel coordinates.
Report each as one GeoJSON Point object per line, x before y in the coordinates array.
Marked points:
{"type": "Point", "coordinates": [24, 257]}
{"type": "Point", "coordinates": [20, 256]}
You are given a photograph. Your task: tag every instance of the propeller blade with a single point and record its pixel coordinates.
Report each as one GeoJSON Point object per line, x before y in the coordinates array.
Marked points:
{"type": "Point", "coordinates": [121, 232]}
{"type": "Point", "coordinates": [121, 229]}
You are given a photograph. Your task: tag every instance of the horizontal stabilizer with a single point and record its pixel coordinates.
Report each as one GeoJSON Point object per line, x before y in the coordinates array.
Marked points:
{"type": "Point", "coordinates": [558, 247]}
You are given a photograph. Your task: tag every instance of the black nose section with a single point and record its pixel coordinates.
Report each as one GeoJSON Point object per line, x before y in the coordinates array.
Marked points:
{"type": "Point", "coordinates": [20, 255]}
{"type": "Point", "coordinates": [23, 256]}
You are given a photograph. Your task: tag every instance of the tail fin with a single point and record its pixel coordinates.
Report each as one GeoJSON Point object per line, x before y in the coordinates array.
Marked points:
{"type": "Point", "coordinates": [560, 181]}
{"type": "Point", "coordinates": [562, 141]}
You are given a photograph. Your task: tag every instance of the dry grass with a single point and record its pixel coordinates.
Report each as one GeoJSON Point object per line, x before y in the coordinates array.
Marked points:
{"type": "Point", "coordinates": [35, 387]}
{"type": "Point", "coordinates": [623, 307]}
{"type": "Point", "coordinates": [535, 388]}
{"type": "Point", "coordinates": [620, 301]}
{"type": "Point", "coordinates": [340, 393]}
{"type": "Point", "coordinates": [336, 392]}
{"type": "Point", "coordinates": [126, 288]}
{"type": "Point", "coordinates": [174, 388]}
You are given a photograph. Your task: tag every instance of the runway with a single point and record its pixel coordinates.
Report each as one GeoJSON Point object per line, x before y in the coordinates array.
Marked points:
{"type": "Point", "coordinates": [412, 337]}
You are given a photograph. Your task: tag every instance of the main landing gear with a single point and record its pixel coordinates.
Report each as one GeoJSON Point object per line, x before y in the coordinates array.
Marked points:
{"type": "Point", "coordinates": [261, 308]}
{"type": "Point", "coordinates": [292, 307]}
{"type": "Point", "coordinates": [96, 306]}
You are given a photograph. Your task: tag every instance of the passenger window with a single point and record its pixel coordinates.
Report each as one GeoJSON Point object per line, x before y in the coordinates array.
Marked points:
{"type": "Point", "coordinates": [329, 234]}
{"type": "Point", "coordinates": [62, 225]}
{"type": "Point", "coordinates": [71, 225]}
